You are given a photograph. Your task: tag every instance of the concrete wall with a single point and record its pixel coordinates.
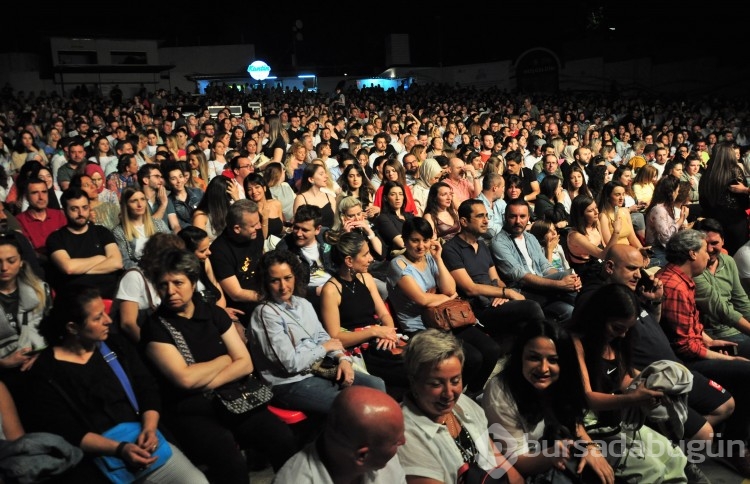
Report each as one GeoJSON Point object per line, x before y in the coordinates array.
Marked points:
{"type": "Point", "coordinates": [698, 76]}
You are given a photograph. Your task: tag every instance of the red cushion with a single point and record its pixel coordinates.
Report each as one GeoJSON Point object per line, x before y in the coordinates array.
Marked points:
{"type": "Point", "coordinates": [287, 416]}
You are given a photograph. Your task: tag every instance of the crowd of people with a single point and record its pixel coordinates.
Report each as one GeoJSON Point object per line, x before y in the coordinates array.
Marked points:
{"type": "Point", "coordinates": [592, 239]}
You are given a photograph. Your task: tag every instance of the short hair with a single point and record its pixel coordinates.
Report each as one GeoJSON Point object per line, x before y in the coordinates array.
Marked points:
{"type": "Point", "coordinates": [427, 349]}
{"type": "Point", "coordinates": [490, 180]}
{"type": "Point", "coordinates": [72, 193]}
{"type": "Point", "coordinates": [238, 209]}
{"type": "Point", "coordinates": [465, 209]}
{"type": "Point", "coordinates": [145, 171]}
{"type": "Point", "coordinates": [34, 180]}
{"type": "Point", "coordinates": [517, 202]}
{"type": "Point", "coordinates": [124, 161]}
{"type": "Point", "coordinates": [681, 243]}
{"type": "Point", "coordinates": [709, 225]}
{"type": "Point", "coordinates": [309, 212]}
{"type": "Point", "coordinates": [177, 261]}
{"type": "Point", "coordinates": [418, 225]}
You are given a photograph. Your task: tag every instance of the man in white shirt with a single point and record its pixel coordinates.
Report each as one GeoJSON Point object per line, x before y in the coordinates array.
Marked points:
{"type": "Point", "coordinates": [364, 429]}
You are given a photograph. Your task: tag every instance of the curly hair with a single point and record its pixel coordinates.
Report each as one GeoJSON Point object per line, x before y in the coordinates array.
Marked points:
{"type": "Point", "coordinates": [277, 257]}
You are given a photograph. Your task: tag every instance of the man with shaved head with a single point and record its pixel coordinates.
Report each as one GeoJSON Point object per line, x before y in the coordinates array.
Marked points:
{"type": "Point", "coordinates": [709, 403]}
{"type": "Point", "coordinates": [365, 428]}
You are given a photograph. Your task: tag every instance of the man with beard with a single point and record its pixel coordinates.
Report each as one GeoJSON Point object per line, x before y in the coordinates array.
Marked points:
{"type": "Point", "coordinates": [82, 254]}
{"type": "Point", "coordinates": [235, 255]}
{"type": "Point", "coordinates": [523, 266]}
{"type": "Point", "coordinates": [411, 167]}
{"type": "Point", "coordinates": [501, 309]}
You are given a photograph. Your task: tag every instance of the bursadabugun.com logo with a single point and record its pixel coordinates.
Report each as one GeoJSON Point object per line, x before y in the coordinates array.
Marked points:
{"type": "Point", "coordinates": [621, 446]}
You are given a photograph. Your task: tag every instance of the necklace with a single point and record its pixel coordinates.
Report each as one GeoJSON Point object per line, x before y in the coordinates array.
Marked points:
{"type": "Point", "coordinates": [462, 439]}
{"type": "Point", "coordinates": [348, 284]}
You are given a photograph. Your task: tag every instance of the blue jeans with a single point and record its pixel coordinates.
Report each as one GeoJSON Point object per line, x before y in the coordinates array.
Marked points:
{"type": "Point", "coordinates": [316, 394]}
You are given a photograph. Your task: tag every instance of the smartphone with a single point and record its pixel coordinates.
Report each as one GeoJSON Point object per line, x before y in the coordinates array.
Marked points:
{"type": "Point", "coordinates": [35, 351]}
{"type": "Point", "coordinates": [645, 281]}
{"type": "Point", "coordinates": [731, 350]}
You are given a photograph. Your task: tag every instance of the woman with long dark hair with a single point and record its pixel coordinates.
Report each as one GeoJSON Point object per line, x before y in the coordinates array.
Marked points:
{"type": "Point", "coordinates": [539, 401]}
{"type": "Point", "coordinates": [441, 213]}
{"type": "Point", "coordinates": [603, 341]}
{"type": "Point", "coordinates": [724, 195]}
{"type": "Point", "coordinates": [354, 183]}
{"type": "Point", "coordinates": [661, 221]}
{"type": "Point", "coordinates": [392, 216]}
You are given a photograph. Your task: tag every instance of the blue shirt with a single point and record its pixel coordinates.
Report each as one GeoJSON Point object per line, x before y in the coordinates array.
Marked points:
{"type": "Point", "coordinates": [495, 214]}
{"type": "Point", "coordinates": [511, 264]}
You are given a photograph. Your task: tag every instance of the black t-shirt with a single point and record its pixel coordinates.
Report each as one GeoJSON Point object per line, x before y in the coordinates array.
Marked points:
{"type": "Point", "coordinates": [202, 334]}
{"type": "Point", "coordinates": [232, 258]}
{"type": "Point", "coordinates": [80, 246]}
{"type": "Point", "coordinates": [268, 149]}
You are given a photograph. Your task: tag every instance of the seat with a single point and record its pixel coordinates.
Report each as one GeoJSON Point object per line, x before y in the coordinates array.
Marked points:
{"type": "Point", "coordinates": [289, 417]}
{"type": "Point", "coordinates": [108, 306]}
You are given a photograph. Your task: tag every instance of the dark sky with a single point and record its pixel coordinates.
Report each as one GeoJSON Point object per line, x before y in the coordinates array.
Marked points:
{"type": "Point", "coordinates": [351, 37]}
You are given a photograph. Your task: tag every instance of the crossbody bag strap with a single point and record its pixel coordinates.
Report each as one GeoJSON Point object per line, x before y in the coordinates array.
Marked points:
{"type": "Point", "coordinates": [179, 341]}
{"type": "Point", "coordinates": [111, 358]}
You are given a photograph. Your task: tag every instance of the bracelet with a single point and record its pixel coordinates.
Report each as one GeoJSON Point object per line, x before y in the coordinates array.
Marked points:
{"type": "Point", "coordinates": [371, 236]}
{"type": "Point", "coordinates": [345, 358]}
{"type": "Point", "coordinates": [120, 449]}
{"type": "Point", "coordinates": [591, 444]}
{"type": "Point", "coordinates": [503, 291]}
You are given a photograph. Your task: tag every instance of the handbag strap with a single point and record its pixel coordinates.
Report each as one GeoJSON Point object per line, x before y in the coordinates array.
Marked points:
{"type": "Point", "coordinates": [179, 341]}
{"type": "Point", "coordinates": [111, 358]}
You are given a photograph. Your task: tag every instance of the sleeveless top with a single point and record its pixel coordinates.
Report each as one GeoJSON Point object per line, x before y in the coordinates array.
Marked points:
{"type": "Point", "coordinates": [610, 380]}
{"type": "Point", "coordinates": [445, 231]}
{"type": "Point", "coordinates": [627, 229]}
{"type": "Point", "coordinates": [357, 309]}
{"type": "Point", "coordinates": [326, 211]}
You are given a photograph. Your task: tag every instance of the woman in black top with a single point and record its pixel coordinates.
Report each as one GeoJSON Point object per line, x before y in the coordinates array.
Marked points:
{"type": "Point", "coordinates": [73, 391]}
{"type": "Point", "coordinates": [208, 437]}
{"type": "Point", "coordinates": [353, 311]}
{"type": "Point", "coordinates": [392, 217]}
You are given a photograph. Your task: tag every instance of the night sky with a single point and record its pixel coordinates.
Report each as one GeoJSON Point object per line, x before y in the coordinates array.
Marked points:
{"type": "Point", "coordinates": [344, 37]}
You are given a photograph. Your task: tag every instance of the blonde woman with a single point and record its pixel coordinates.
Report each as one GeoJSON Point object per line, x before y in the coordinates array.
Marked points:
{"type": "Point", "coordinates": [136, 226]}
{"type": "Point", "coordinates": [295, 163]}
{"type": "Point", "coordinates": [279, 188]}
{"type": "Point", "coordinates": [331, 186]}
{"type": "Point", "coordinates": [198, 165]}
{"type": "Point", "coordinates": [173, 147]}
{"type": "Point", "coordinates": [278, 139]}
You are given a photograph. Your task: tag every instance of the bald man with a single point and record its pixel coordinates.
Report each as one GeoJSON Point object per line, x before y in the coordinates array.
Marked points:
{"type": "Point", "coordinates": [709, 403]}
{"type": "Point", "coordinates": [365, 428]}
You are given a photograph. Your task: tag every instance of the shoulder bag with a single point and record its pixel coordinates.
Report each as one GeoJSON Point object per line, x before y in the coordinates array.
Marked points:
{"type": "Point", "coordinates": [113, 467]}
{"type": "Point", "coordinates": [452, 314]}
{"type": "Point", "coordinates": [237, 397]}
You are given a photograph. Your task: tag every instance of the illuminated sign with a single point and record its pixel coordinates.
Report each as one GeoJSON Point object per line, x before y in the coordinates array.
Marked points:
{"type": "Point", "coordinates": [258, 70]}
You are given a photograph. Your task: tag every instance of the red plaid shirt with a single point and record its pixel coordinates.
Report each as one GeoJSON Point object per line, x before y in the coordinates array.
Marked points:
{"type": "Point", "coordinates": [679, 314]}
